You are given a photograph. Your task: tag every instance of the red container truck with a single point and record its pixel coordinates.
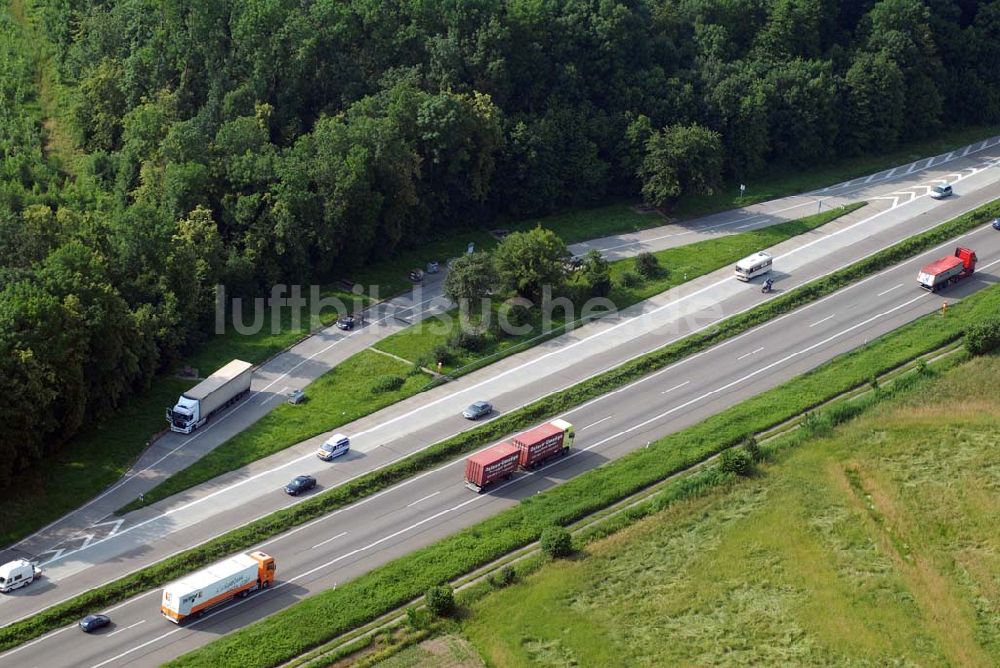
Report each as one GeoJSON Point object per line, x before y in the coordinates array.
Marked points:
{"type": "Point", "coordinates": [948, 270]}
{"type": "Point", "coordinates": [544, 441]}
{"type": "Point", "coordinates": [490, 465]}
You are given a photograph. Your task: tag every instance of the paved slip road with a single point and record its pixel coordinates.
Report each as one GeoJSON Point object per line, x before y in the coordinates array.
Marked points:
{"type": "Point", "coordinates": [108, 547]}
{"type": "Point", "coordinates": [347, 543]}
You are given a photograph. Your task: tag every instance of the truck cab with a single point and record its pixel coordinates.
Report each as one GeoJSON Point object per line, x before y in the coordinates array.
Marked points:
{"type": "Point", "coordinates": [184, 415]}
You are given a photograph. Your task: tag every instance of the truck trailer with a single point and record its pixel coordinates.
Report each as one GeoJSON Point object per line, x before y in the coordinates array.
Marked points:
{"type": "Point", "coordinates": [490, 465]}
{"type": "Point", "coordinates": [948, 270]}
{"type": "Point", "coordinates": [544, 442]}
{"type": "Point", "coordinates": [223, 388]}
{"type": "Point", "coordinates": [221, 582]}
{"type": "Point", "coordinates": [527, 450]}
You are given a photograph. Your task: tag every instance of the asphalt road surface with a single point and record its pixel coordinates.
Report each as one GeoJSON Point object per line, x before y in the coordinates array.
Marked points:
{"type": "Point", "coordinates": [898, 188]}
{"type": "Point", "coordinates": [349, 542]}
{"type": "Point", "coordinates": [112, 546]}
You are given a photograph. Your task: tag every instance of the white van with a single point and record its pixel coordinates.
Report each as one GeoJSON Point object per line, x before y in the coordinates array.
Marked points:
{"type": "Point", "coordinates": [16, 574]}
{"type": "Point", "coordinates": [335, 446]}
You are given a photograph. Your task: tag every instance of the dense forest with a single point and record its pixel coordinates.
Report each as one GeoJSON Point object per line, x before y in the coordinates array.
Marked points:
{"type": "Point", "coordinates": [254, 141]}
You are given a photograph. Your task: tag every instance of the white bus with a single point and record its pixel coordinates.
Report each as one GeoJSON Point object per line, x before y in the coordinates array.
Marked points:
{"type": "Point", "coordinates": [754, 265]}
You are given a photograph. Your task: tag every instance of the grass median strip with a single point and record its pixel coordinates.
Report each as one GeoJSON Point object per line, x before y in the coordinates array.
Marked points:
{"type": "Point", "coordinates": [291, 632]}
{"type": "Point", "coordinates": [943, 329]}
{"type": "Point", "coordinates": [288, 425]}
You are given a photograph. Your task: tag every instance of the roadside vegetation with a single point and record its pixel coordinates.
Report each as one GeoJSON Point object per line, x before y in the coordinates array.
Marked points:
{"type": "Point", "coordinates": [401, 581]}
{"type": "Point", "coordinates": [874, 543]}
{"type": "Point", "coordinates": [937, 331]}
{"type": "Point", "coordinates": [338, 397]}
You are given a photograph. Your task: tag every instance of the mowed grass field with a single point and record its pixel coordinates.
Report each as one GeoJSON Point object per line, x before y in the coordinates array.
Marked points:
{"type": "Point", "coordinates": [877, 545]}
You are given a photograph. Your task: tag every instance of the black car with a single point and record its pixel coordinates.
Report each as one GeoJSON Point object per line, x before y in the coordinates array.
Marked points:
{"type": "Point", "coordinates": [93, 622]}
{"type": "Point", "coordinates": [996, 223]}
{"type": "Point", "coordinates": [346, 323]}
{"type": "Point", "coordinates": [299, 484]}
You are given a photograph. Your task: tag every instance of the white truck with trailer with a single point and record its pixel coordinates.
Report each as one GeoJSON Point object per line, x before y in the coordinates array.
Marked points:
{"type": "Point", "coordinates": [223, 388]}
{"type": "Point", "coordinates": [236, 576]}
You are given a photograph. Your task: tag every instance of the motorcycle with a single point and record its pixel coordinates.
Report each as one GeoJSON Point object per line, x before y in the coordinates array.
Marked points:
{"type": "Point", "coordinates": [767, 286]}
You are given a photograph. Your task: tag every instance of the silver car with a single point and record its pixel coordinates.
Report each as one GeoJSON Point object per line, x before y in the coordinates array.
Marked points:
{"type": "Point", "coordinates": [477, 410]}
{"type": "Point", "coordinates": [941, 191]}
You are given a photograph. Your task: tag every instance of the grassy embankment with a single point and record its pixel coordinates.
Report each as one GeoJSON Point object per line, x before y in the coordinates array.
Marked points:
{"type": "Point", "coordinates": [338, 397]}
{"type": "Point", "coordinates": [289, 633]}
{"type": "Point", "coordinates": [877, 544]}
{"type": "Point", "coordinates": [278, 522]}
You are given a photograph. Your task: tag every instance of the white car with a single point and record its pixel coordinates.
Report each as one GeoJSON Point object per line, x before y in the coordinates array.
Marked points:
{"type": "Point", "coordinates": [941, 191]}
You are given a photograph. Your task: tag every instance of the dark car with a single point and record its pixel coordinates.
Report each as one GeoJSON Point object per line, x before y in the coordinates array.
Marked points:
{"type": "Point", "coordinates": [346, 323]}
{"type": "Point", "coordinates": [996, 223]}
{"type": "Point", "coordinates": [299, 484]}
{"type": "Point", "coordinates": [477, 410]}
{"type": "Point", "coordinates": [94, 622]}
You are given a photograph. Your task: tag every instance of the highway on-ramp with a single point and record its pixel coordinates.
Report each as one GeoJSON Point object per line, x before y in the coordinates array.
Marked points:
{"type": "Point", "coordinates": [349, 542]}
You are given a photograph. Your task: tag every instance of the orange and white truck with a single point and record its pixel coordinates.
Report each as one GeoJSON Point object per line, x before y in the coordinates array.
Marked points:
{"type": "Point", "coordinates": [221, 582]}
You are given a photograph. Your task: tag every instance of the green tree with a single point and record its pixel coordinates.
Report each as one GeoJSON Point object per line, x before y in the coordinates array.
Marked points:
{"type": "Point", "coordinates": [527, 262]}
{"type": "Point", "coordinates": [470, 277]}
{"type": "Point", "coordinates": [681, 160]}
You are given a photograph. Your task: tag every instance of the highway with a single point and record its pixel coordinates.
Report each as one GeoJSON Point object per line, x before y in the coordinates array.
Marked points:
{"type": "Point", "coordinates": [114, 546]}
{"type": "Point", "coordinates": [899, 188]}
{"type": "Point", "coordinates": [344, 544]}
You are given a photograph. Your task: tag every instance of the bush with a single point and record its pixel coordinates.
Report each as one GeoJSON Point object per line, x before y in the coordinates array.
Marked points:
{"type": "Point", "coordinates": [443, 354]}
{"type": "Point", "coordinates": [505, 577]}
{"type": "Point", "coordinates": [440, 600]}
{"type": "Point", "coordinates": [630, 279]}
{"type": "Point", "coordinates": [736, 461]}
{"type": "Point", "coordinates": [983, 336]}
{"type": "Point", "coordinates": [556, 542]}
{"type": "Point", "coordinates": [517, 314]}
{"type": "Point", "coordinates": [752, 448]}
{"type": "Point", "coordinates": [387, 383]}
{"type": "Point", "coordinates": [468, 339]}
{"type": "Point", "coordinates": [647, 265]}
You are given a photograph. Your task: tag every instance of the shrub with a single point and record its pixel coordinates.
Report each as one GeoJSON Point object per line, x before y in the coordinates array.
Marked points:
{"type": "Point", "coordinates": [517, 314]}
{"type": "Point", "coordinates": [505, 577]}
{"type": "Point", "coordinates": [752, 448]}
{"type": "Point", "coordinates": [442, 353]}
{"type": "Point", "coordinates": [647, 265]}
{"type": "Point", "coordinates": [736, 461]}
{"type": "Point", "coordinates": [983, 336]}
{"type": "Point", "coordinates": [387, 383]}
{"type": "Point", "coordinates": [440, 600]}
{"type": "Point", "coordinates": [921, 367]}
{"type": "Point", "coordinates": [468, 339]}
{"type": "Point", "coordinates": [556, 542]}
{"type": "Point", "coordinates": [630, 279]}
